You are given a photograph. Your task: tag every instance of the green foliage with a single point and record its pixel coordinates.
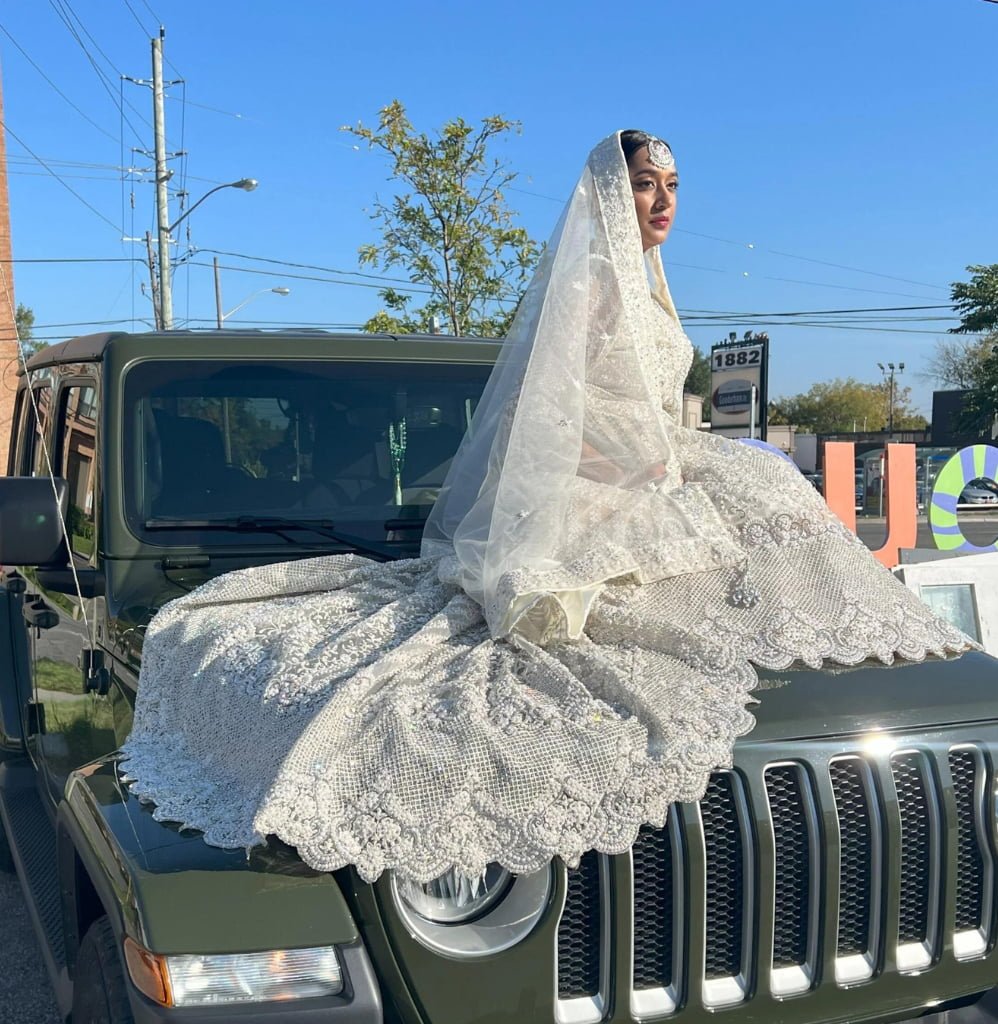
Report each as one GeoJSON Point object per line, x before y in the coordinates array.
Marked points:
{"type": "Point", "coordinates": [976, 301]}
{"type": "Point", "coordinates": [698, 379]}
{"type": "Point", "coordinates": [843, 406]}
{"type": "Point", "coordinates": [24, 321]}
{"type": "Point", "coordinates": [449, 229]}
{"type": "Point", "coordinates": [956, 362]}
{"type": "Point", "coordinates": [980, 407]}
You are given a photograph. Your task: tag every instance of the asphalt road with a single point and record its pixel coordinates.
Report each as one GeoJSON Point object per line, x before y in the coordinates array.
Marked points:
{"type": "Point", "coordinates": [979, 528]}
{"type": "Point", "coordinates": [25, 995]}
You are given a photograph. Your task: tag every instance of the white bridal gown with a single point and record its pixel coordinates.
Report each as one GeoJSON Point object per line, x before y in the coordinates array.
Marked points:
{"type": "Point", "coordinates": [575, 649]}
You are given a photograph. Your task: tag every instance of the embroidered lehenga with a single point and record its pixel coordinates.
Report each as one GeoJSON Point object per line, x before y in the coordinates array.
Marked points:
{"type": "Point", "coordinates": [576, 647]}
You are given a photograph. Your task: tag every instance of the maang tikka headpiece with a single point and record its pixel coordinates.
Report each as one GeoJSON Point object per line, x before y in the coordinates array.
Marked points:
{"type": "Point", "coordinates": [659, 154]}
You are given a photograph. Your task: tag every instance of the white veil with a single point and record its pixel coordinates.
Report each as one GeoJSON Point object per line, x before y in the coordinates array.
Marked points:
{"type": "Point", "coordinates": [567, 477]}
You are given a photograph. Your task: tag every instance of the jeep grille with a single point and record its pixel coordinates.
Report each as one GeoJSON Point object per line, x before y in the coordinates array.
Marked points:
{"type": "Point", "coordinates": [829, 874]}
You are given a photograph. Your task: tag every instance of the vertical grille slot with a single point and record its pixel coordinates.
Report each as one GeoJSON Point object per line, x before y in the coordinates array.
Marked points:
{"type": "Point", "coordinates": [969, 863]}
{"type": "Point", "coordinates": [726, 858]}
{"type": "Point", "coordinates": [974, 868]}
{"type": "Point", "coordinates": [859, 867]}
{"type": "Point", "coordinates": [579, 932]}
{"type": "Point", "coordinates": [919, 879]}
{"type": "Point", "coordinates": [654, 912]}
{"type": "Point", "coordinates": [793, 843]}
{"type": "Point", "coordinates": [795, 869]}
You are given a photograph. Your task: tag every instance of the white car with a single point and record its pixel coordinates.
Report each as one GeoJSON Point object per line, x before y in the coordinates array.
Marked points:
{"type": "Point", "coordinates": [979, 492]}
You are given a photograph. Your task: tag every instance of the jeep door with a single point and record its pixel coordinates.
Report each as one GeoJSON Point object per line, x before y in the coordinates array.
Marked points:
{"type": "Point", "coordinates": [73, 724]}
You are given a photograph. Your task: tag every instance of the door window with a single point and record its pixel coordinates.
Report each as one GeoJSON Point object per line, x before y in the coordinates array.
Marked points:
{"type": "Point", "coordinates": [33, 460]}
{"type": "Point", "coordinates": [77, 465]}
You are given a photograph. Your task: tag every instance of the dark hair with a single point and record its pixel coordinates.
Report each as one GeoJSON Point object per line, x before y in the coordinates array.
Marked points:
{"type": "Point", "coordinates": [632, 139]}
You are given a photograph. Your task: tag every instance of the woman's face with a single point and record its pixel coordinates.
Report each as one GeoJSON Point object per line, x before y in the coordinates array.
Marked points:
{"type": "Point", "coordinates": [654, 191]}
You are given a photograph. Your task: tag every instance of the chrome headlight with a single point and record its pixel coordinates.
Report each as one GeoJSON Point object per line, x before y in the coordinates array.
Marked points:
{"type": "Point", "coordinates": [453, 897]}
{"type": "Point", "coordinates": [476, 916]}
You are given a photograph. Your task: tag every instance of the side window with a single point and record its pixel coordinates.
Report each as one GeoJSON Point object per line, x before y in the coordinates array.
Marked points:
{"type": "Point", "coordinates": [17, 431]}
{"type": "Point", "coordinates": [33, 462]}
{"type": "Point", "coordinates": [77, 464]}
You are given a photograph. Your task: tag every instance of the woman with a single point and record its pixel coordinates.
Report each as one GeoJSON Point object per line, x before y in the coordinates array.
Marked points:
{"type": "Point", "coordinates": [574, 650]}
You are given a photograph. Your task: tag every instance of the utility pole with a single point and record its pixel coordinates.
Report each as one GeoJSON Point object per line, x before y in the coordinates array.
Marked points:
{"type": "Point", "coordinates": [162, 195]}
{"type": "Point", "coordinates": [153, 282]}
{"type": "Point", "coordinates": [219, 315]}
{"type": "Point", "coordinates": [888, 373]}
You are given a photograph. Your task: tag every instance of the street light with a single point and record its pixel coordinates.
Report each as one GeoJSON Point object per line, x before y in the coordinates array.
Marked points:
{"type": "Point", "coordinates": [219, 315]}
{"type": "Point", "coordinates": [888, 372]}
{"type": "Point", "coordinates": [164, 232]}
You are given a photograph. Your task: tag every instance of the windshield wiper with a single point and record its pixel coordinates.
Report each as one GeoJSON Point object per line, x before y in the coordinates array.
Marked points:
{"type": "Point", "coordinates": [280, 526]}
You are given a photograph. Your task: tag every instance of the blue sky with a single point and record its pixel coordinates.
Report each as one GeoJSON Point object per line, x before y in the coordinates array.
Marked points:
{"type": "Point", "coordinates": [860, 133]}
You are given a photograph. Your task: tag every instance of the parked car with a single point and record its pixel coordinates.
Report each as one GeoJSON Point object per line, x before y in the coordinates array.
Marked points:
{"type": "Point", "coordinates": [979, 492]}
{"type": "Point", "coordinates": [843, 869]}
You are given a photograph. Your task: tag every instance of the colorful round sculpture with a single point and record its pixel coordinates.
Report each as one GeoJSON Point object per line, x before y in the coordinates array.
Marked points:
{"type": "Point", "coordinates": [979, 460]}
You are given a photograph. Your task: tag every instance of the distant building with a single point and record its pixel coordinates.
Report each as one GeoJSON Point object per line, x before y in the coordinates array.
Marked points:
{"type": "Point", "coordinates": [693, 412]}
{"type": "Point", "coordinates": [946, 431]}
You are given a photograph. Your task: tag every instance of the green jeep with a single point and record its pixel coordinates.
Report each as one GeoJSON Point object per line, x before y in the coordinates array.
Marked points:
{"type": "Point", "coordinates": [843, 870]}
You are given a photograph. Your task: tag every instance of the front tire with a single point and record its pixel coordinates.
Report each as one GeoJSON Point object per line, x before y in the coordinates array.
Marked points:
{"type": "Point", "coordinates": [100, 995]}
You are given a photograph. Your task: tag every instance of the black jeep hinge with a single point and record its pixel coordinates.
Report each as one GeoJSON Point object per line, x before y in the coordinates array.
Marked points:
{"type": "Point", "coordinates": [35, 718]}
{"type": "Point", "coordinates": [96, 677]}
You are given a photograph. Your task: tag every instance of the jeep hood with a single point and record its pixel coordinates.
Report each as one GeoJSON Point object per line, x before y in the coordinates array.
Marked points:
{"type": "Point", "coordinates": [838, 701]}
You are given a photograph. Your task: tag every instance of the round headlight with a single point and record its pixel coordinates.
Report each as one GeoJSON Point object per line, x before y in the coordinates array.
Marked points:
{"type": "Point", "coordinates": [453, 897]}
{"type": "Point", "coordinates": [470, 917]}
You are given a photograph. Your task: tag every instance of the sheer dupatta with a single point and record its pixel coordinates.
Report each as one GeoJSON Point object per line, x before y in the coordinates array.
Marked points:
{"type": "Point", "coordinates": [567, 477]}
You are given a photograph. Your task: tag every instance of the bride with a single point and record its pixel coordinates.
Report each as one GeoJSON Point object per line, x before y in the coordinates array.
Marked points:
{"type": "Point", "coordinates": [575, 648]}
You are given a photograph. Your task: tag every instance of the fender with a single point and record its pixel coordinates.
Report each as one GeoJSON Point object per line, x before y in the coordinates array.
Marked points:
{"type": "Point", "coordinates": [172, 893]}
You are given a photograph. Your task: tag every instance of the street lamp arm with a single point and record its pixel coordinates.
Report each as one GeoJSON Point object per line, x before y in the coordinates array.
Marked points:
{"type": "Point", "coordinates": [250, 298]}
{"type": "Point", "coordinates": [246, 184]}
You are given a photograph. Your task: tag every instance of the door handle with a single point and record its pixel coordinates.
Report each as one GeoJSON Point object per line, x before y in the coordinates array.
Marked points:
{"type": "Point", "coordinates": [40, 615]}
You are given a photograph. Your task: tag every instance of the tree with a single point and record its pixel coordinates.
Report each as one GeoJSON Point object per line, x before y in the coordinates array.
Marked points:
{"type": "Point", "coordinates": [980, 406]}
{"type": "Point", "coordinates": [976, 301]}
{"type": "Point", "coordinates": [698, 380]}
{"type": "Point", "coordinates": [24, 320]}
{"type": "Point", "coordinates": [450, 230]}
{"type": "Point", "coordinates": [956, 362]}
{"type": "Point", "coordinates": [844, 406]}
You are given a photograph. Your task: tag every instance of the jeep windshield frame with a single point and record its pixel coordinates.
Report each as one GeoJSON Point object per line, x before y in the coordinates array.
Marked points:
{"type": "Point", "coordinates": [352, 450]}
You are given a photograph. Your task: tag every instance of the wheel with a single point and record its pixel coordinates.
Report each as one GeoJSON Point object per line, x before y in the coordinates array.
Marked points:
{"type": "Point", "coordinates": [99, 992]}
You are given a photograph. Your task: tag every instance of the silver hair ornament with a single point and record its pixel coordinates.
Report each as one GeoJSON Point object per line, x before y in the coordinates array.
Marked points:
{"type": "Point", "coordinates": [659, 155]}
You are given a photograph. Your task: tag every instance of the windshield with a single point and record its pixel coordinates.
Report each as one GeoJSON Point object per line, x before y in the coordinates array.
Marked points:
{"type": "Point", "coordinates": [361, 447]}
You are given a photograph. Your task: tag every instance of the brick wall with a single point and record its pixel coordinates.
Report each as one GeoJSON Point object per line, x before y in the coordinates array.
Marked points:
{"type": "Point", "coordinates": [8, 333]}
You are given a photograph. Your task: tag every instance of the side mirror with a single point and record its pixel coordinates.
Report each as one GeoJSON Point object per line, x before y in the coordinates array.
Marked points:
{"type": "Point", "coordinates": [32, 512]}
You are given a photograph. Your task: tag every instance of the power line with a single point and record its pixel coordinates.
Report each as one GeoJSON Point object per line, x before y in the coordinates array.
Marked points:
{"type": "Point", "coordinates": [82, 113]}
{"type": "Point", "coordinates": [817, 312]}
{"type": "Point", "coordinates": [776, 252]}
{"type": "Point", "coordinates": [131, 10]}
{"type": "Point", "coordinates": [307, 277]}
{"type": "Point", "coordinates": [307, 266]}
{"type": "Point", "coordinates": [76, 259]}
{"type": "Point", "coordinates": [69, 188]}
{"type": "Point", "coordinates": [101, 75]}
{"type": "Point", "coordinates": [152, 12]}
{"type": "Point", "coordinates": [827, 326]}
